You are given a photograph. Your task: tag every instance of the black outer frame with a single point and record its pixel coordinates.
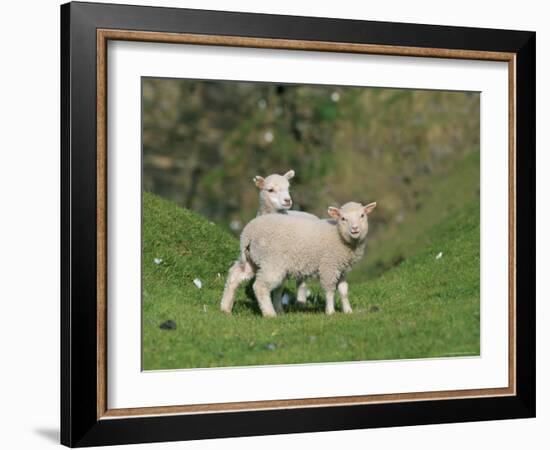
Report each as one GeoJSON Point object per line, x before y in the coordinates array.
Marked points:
{"type": "Point", "coordinates": [79, 424]}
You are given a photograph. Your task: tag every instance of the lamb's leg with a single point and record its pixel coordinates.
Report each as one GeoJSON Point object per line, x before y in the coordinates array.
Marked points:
{"type": "Point", "coordinates": [264, 284]}
{"type": "Point", "coordinates": [343, 291]}
{"type": "Point", "coordinates": [231, 284]}
{"type": "Point", "coordinates": [301, 295]}
{"type": "Point", "coordinates": [329, 308]}
{"type": "Point", "coordinates": [277, 300]}
{"type": "Point", "coordinates": [240, 271]}
{"type": "Point", "coordinates": [262, 292]}
{"type": "Point", "coordinates": [328, 283]}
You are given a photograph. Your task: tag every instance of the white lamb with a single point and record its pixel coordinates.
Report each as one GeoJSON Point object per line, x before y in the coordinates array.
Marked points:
{"type": "Point", "coordinates": [275, 195]}
{"type": "Point", "coordinates": [275, 198]}
{"type": "Point", "coordinates": [277, 246]}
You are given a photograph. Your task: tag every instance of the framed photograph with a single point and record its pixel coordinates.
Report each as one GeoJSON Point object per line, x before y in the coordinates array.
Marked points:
{"type": "Point", "coordinates": [277, 224]}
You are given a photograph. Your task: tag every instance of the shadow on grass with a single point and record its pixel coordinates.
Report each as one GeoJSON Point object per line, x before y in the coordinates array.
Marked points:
{"type": "Point", "coordinates": [313, 306]}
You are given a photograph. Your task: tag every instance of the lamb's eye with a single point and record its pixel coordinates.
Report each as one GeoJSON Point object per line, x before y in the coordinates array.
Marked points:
{"type": "Point", "coordinates": [343, 219]}
{"type": "Point", "coordinates": [271, 190]}
{"type": "Point", "coordinates": [362, 216]}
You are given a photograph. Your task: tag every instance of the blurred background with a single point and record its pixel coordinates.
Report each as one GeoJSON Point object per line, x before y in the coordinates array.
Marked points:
{"type": "Point", "coordinates": [415, 152]}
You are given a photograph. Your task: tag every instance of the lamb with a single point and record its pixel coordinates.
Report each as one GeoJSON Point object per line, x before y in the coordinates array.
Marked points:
{"type": "Point", "coordinates": [275, 198]}
{"type": "Point", "coordinates": [276, 246]}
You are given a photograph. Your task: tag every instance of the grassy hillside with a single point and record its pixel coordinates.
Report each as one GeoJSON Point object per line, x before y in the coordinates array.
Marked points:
{"type": "Point", "coordinates": [438, 199]}
{"type": "Point", "coordinates": [424, 307]}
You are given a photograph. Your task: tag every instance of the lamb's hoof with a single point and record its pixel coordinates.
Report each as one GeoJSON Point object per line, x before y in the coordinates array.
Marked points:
{"type": "Point", "coordinates": [269, 313]}
{"type": "Point", "coordinates": [347, 310]}
{"type": "Point", "coordinates": [225, 311]}
{"type": "Point", "coordinates": [329, 312]}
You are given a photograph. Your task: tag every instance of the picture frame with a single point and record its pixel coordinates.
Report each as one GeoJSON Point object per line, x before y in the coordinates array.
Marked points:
{"type": "Point", "coordinates": [86, 418]}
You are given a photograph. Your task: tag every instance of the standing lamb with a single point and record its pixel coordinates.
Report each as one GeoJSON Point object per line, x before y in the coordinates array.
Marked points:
{"type": "Point", "coordinates": [276, 246]}
{"type": "Point", "coordinates": [275, 198]}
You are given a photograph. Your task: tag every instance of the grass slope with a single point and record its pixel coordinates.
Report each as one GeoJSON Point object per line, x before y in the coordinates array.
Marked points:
{"type": "Point", "coordinates": [436, 201]}
{"type": "Point", "coordinates": [424, 307]}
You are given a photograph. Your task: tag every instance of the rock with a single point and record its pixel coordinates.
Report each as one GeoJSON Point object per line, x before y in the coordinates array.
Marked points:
{"type": "Point", "coordinates": [168, 325]}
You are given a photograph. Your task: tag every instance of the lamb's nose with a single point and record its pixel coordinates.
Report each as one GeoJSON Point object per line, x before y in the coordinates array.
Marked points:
{"type": "Point", "coordinates": [287, 201]}
{"type": "Point", "coordinates": [355, 229]}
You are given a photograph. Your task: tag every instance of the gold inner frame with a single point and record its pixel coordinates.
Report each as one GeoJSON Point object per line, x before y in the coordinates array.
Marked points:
{"type": "Point", "coordinates": [104, 35]}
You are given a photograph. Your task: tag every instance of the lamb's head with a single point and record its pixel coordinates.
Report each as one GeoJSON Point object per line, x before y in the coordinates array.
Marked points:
{"type": "Point", "coordinates": [352, 220]}
{"type": "Point", "coordinates": [274, 194]}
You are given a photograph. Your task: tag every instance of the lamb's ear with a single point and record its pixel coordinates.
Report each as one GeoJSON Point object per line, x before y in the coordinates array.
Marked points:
{"type": "Point", "coordinates": [259, 181]}
{"type": "Point", "coordinates": [334, 212]}
{"type": "Point", "coordinates": [289, 175]}
{"type": "Point", "coordinates": [368, 209]}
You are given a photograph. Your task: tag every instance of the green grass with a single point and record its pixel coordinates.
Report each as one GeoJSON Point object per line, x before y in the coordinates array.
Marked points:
{"type": "Point", "coordinates": [423, 307]}
{"type": "Point", "coordinates": [437, 200]}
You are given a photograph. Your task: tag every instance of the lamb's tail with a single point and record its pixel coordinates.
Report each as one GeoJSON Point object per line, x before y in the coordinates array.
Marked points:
{"type": "Point", "coordinates": [245, 247]}
{"type": "Point", "coordinates": [241, 270]}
